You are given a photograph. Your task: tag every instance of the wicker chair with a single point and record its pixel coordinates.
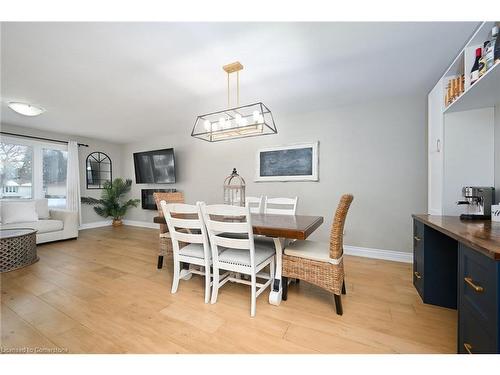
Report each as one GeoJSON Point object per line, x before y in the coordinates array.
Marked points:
{"type": "Point", "coordinates": [316, 262]}
{"type": "Point", "coordinates": [165, 245]}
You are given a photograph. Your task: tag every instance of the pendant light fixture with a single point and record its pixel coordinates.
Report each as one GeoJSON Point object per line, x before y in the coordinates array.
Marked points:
{"type": "Point", "coordinates": [235, 122]}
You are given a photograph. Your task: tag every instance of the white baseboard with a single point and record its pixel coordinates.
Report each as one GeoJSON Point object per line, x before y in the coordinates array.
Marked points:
{"type": "Point", "coordinates": [96, 224]}
{"type": "Point", "coordinates": [396, 256]}
{"type": "Point", "coordinates": [142, 224]}
{"type": "Point", "coordinates": [105, 223]}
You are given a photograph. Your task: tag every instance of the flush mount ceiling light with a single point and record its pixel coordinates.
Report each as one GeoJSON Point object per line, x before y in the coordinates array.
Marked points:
{"type": "Point", "coordinates": [237, 122]}
{"type": "Point", "coordinates": [25, 109]}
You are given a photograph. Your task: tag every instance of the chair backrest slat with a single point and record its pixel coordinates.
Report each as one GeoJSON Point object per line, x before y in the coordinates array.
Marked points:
{"type": "Point", "coordinates": [230, 227]}
{"type": "Point", "coordinates": [222, 221]}
{"type": "Point", "coordinates": [281, 206]}
{"type": "Point", "coordinates": [180, 221]}
{"type": "Point", "coordinates": [256, 204]}
{"type": "Point", "coordinates": [337, 230]}
{"type": "Point", "coordinates": [233, 243]}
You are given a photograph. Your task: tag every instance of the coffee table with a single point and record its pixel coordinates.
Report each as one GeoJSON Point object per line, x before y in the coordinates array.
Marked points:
{"type": "Point", "coordinates": [17, 248]}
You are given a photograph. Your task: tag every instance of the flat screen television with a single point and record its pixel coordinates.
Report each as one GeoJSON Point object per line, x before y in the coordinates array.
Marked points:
{"type": "Point", "coordinates": [155, 167]}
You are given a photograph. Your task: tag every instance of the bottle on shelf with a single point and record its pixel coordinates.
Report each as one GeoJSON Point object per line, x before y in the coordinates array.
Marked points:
{"type": "Point", "coordinates": [474, 73]}
{"type": "Point", "coordinates": [496, 52]}
{"type": "Point", "coordinates": [482, 61]}
{"type": "Point", "coordinates": [489, 48]}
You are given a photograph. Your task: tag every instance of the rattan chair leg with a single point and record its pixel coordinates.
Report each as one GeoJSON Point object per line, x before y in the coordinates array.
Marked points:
{"type": "Point", "coordinates": [338, 304]}
{"type": "Point", "coordinates": [343, 287]}
{"type": "Point", "coordinates": [284, 283]}
{"type": "Point", "coordinates": [160, 261]}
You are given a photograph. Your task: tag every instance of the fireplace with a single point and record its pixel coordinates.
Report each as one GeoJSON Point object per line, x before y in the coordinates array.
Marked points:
{"type": "Point", "coordinates": [147, 199]}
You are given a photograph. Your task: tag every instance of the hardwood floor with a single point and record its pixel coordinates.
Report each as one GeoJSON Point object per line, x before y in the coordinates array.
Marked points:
{"type": "Point", "coordinates": [102, 293]}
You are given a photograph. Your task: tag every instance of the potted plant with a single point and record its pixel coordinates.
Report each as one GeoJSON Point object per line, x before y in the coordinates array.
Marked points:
{"type": "Point", "coordinates": [111, 202]}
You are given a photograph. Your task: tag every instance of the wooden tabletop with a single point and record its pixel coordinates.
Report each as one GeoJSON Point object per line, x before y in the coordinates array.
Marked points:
{"type": "Point", "coordinates": [481, 235]}
{"type": "Point", "coordinates": [297, 227]}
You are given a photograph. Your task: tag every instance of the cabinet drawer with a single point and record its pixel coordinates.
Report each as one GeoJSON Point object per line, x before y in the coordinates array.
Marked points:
{"type": "Point", "coordinates": [418, 257]}
{"type": "Point", "coordinates": [474, 337]}
{"type": "Point", "coordinates": [477, 286]}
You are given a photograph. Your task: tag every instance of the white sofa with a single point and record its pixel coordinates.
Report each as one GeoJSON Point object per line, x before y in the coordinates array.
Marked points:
{"type": "Point", "coordinates": [52, 225]}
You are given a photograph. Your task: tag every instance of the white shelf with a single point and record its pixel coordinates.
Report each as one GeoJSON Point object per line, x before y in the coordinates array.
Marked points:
{"type": "Point", "coordinates": [482, 94]}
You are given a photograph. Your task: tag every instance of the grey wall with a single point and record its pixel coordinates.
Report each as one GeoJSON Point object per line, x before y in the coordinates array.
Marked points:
{"type": "Point", "coordinates": [377, 151]}
{"type": "Point", "coordinates": [111, 149]}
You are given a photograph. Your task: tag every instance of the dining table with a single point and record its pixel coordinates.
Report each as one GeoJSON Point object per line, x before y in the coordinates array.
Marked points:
{"type": "Point", "coordinates": [282, 229]}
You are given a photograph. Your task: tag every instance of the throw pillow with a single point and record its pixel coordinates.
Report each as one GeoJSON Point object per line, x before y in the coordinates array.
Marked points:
{"type": "Point", "coordinates": [18, 212]}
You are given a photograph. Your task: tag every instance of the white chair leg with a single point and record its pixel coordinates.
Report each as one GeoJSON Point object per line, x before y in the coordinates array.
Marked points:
{"type": "Point", "coordinates": [207, 284]}
{"type": "Point", "coordinates": [175, 281]}
{"type": "Point", "coordinates": [272, 266]}
{"type": "Point", "coordinates": [215, 286]}
{"type": "Point", "coordinates": [254, 293]}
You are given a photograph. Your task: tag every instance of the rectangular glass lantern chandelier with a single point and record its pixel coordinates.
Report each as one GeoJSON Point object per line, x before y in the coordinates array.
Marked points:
{"type": "Point", "coordinates": [238, 122]}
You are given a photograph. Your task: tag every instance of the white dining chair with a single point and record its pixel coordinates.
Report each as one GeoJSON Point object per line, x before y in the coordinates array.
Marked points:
{"type": "Point", "coordinates": [237, 255]}
{"type": "Point", "coordinates": [256, 204]}
{"type": "Point", "coordinates": [185, 225]}
{"type": "Point", "coordinates": [280, 206]}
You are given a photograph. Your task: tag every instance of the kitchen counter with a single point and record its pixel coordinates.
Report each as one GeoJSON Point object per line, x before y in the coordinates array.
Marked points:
{"type": "Point", "coordinates": [480, 235]}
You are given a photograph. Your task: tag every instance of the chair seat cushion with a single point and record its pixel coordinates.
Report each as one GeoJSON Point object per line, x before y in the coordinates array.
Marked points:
{"type": "Point", "coordinates": [313, 250]}
{"type": "Point", "coordinates": [194, 250]}
{"type": "Point", "coordinates": [42, 226]}
{"type": "Point", "coordinates": [242, 257]}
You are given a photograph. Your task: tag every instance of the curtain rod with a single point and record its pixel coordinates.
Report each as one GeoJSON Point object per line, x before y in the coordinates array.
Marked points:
{"type": "Point", "coordinates": [41, 138]}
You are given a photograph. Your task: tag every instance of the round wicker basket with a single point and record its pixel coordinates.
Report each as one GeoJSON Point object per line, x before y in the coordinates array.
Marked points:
{"type": "Point", "coordinates": [17, 248]}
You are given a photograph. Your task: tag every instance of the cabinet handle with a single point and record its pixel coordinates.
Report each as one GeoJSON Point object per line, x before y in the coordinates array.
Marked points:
{"type": "Point", "coordinates": [417, 275]}
{"type": "Point", "coordinates": [416, 238]}
{"type": "Point", "coordinates": [468, 347]}
{"type": "Point", "coordinates": [477, 288]}
{"type": "Point", "coordinates": [438, 145]}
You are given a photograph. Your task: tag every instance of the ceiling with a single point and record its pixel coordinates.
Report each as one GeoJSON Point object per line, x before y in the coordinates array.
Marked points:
{"type": "Point", "coordinates": [124, 81]}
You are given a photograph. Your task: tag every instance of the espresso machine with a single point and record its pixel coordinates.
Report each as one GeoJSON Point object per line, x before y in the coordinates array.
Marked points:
{"type": "Point", "coordinates": [478, 200]}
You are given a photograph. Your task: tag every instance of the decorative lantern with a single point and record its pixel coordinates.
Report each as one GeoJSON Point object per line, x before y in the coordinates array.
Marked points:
{"type": "Point", "coordinates": [234, 189]}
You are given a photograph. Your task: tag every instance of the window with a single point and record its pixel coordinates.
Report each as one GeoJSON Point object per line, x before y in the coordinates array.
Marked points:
{"type": "Point", "coordinates": [55, 163]}
{"type": "Point", "coordinates": [32, 169]}
{"type": "Point", "coordinates": [16, 175]}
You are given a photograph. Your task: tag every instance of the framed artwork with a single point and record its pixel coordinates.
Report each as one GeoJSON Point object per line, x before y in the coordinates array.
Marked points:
{"type": "Point", "coordinates": [298, 162]}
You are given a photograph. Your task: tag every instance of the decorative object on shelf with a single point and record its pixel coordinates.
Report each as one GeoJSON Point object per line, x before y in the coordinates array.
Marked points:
{"type": "Point", "coordinates": [234, 189]}
{"type": "Point", "coordinates": [26, 109]}
{"type": "Point", "coordinates": [99, 170]}
{"type": "Point", "coordinates": [297, 162]}
{"type": "Point", "coordinates": [455, 88]}
{"type": "Point", "coordinates": [237, 122]}
{"type": "Point", "coordinates": [495, 212]}
{"type": "Point", "coordinates": [111, 202]}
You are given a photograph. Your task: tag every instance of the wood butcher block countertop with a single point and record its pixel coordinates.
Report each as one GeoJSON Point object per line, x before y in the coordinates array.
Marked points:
{"type": "Point", "coordinates": [481, 235]}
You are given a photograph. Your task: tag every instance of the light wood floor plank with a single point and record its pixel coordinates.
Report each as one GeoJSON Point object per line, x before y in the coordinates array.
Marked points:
{"type": "Point", "coordinates": [102, 293]}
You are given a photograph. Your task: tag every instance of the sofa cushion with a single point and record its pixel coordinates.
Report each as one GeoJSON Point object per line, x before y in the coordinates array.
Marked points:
{"type": "Point", "coordinates": [18, 212]}
{"type": "Point", "coordinates": [42, 226]}
{"type": "Point", "coordinates": [42, 208]}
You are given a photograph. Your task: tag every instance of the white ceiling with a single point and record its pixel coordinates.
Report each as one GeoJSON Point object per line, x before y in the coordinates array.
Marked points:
{"type": "Point", "coordinates": [121, 81]}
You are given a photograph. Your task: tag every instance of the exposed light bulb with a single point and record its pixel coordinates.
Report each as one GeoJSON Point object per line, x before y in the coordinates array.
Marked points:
{"type": "Point", "coordinates": [237, 118]}
{"type": "Point", "coordinates": [222, 122]}
{"type": "Point", "coordinates": [207, 125]}
{"type": "Point", "coordinates": [256, 115]}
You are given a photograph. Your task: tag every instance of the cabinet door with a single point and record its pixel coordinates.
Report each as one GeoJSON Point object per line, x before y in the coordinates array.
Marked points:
{"type": "Point", "coordinates": [435, 150]}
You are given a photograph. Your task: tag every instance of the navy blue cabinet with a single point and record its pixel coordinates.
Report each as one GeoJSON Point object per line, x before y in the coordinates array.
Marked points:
{"type": "Point", "coordinates": [434, 266]}
{"type": "Point", "coordinates": [450, 274]}
{"type": "Point", "coordinates": [478, 299]}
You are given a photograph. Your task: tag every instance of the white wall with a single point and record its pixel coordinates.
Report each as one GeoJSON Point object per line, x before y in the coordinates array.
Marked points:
{"type": "Point", "coordinates": [111, 149]}
{"type": "Point", "coordinates": [468, 155]}
{"type": "Point", "coordinates": [377, 151]}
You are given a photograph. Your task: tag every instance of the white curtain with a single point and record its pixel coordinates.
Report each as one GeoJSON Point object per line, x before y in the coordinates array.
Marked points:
{"type": "Point", "coordinates": [73, 180]}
